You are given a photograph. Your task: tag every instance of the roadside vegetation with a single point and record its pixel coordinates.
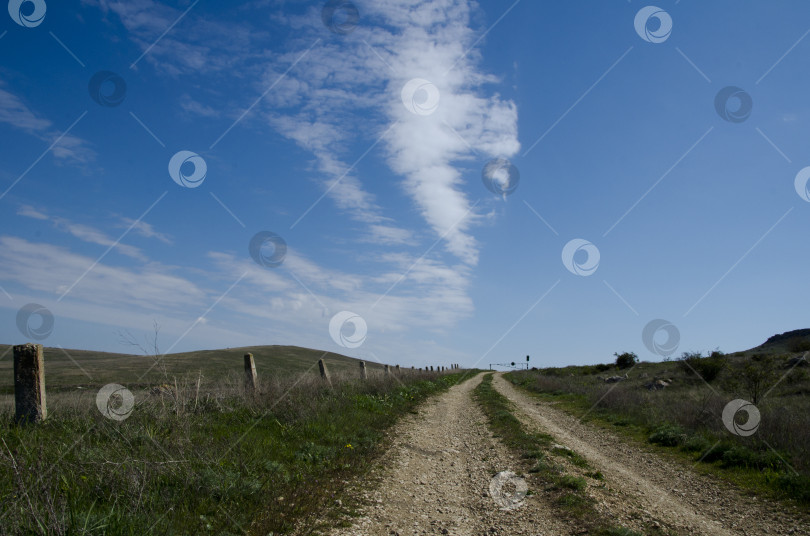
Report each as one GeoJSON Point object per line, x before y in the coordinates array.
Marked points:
{"type": "Point", "coordinates": [201, 457]}
{"type": "Point", "coordinates": [679, 405]}
{"type": "Point", "coordinates": [547, 463]}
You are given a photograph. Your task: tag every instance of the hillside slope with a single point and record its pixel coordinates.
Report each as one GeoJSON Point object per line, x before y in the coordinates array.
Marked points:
{"type": "Point", "coordinates": [64, 367]}
{"type": "Point", "coordinates": [790, 342]}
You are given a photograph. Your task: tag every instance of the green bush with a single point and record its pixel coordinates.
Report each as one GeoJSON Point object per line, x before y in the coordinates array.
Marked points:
{"type": "Point", "coordinates": [696, 443]}
{"type": "Point", "coordinates": [708, 368]}
{"type": "Point", "coordinates": [796, 486]}
{"type": "Point", "coordinates": [668, 436]}
{"type": "Point", "coordinates": [715, 452]}
{"type": "Point", "coordinates": [744, 457]}
{"type": "Point", "coordinates": [626, 360]}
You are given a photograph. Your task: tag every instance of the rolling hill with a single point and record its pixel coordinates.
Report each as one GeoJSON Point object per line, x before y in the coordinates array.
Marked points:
{"type": "Point", "coordinates": [68, 368]}
{"type": "Point", "coordinates": [790, 342]}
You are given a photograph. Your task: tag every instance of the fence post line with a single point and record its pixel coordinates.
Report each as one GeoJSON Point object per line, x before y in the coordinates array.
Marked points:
{"type": "Point", "coordinates": [250, 373]}
{"type": "Point", "coordinates": [363, 373]}
{"type": "Point", "coordinates": [29, 384]}
{"type": "Point", "coordinates": [324, 371]}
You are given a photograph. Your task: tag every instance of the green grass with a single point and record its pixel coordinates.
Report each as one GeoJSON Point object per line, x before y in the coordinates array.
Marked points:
{"type": "Point", "coordinates": [213, 461]}
{"type": "Point", "coordinates": [567, 492]}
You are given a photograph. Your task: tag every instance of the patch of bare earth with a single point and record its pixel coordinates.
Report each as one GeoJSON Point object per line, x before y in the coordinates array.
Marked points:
{"type": "Point", "coordinates": [642, 487]}
{"type": "Point", "coordinates": [436, 478]}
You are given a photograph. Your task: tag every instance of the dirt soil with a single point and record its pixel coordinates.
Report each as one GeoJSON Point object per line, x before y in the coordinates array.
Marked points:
{"type": "Point", "coordinates": [641, 482]}
{"type": "Point", "coordinates": [437, 476]}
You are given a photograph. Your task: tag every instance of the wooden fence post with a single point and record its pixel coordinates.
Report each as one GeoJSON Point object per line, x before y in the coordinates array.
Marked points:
{"type": "Point", "coordinates": [250, 374]}
{"type": "Point", "coordinates": [363, 373]}
{"type": "Point", "coordinates": [397, 369]}
{"type": "Point", "coordinates": [324, 371]}
{"type": "Point", "coordinates": [387, 370]}
{"type": "Point", "coordinates": [29, 383]}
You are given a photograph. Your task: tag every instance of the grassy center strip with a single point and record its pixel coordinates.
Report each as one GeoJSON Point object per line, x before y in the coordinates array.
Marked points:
{"type": "Point", "coordinates": [568, 493]}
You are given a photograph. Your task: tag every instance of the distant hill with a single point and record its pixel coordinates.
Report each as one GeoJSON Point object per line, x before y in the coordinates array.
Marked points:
{"type": "Point", "coordinates": [790, 342]}
{"type": "Point", "coordinates": [65, 367]}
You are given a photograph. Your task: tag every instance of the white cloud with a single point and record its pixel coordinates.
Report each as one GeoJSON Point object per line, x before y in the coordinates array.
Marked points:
{"type": "Point", "coordinates": [145, 229]}
{"type": "Point", "coordinates": [289, 305]}
{"type": "Point", "coordinates": [196, 44]}
{"type": "Point", "coordinates": [340, 99]}
{"type": "Point", "coordinates": [342, 88]}
{"type": "Point", "coordinates": [93, 235]}
{"type": "Point", "coordinates": [14, 112]}
{"type": "Point", "coordinates": [53, 269]}
{"type": "Point", "coordinates": [30, 212]}
{"type": "Point", "coordinates": [197, 108]}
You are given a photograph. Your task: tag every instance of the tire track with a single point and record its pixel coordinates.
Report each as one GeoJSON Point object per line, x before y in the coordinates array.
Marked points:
{"type": "Point", "coordinates": [643, 483]}
{"type": "Point", "coordinates": [436, 478]}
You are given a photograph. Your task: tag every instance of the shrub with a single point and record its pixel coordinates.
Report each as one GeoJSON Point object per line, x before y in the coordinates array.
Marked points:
{"type": "Point", "coordinates": [626, 360]}
{"type": "Point", "coordinates": [799, 346]}
{"type": "Point", "coordinates": [696, 443]}
{"type": "Point", "coordinates": [744, 457]}
{"type": "Point", "coordinates": [715, 452]}
{"type": "Point", "coordinates": [707, 368]}
{"type": "Point", "coordinates": [668, 436]}
{"type": "Point", "coordinates": [796, 486]}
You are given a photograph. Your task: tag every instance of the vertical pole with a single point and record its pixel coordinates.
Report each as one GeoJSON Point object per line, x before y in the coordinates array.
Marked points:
{"type": "Point", "coordinates": [397, 369]}
{"type": "Point", "coordinates": [387, 370]}
{"type": "Point", "coordinates": [363, 373]}
{"type": "Point", "coordinates": [324, 371]}
{"type": "Point", "coordinates": [250, 374]}
{"type": "Point", "coordinates": [29, 383]}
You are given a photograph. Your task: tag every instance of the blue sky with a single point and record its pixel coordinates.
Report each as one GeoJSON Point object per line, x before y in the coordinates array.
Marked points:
{"type": "Point", "coordinates": [362, 145]}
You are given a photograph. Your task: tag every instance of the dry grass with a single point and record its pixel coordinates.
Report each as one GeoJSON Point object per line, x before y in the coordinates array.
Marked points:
{"type": "Point", "coordinates": [688, 414]}
{"type": "Point", "coordinates": [199, 456]}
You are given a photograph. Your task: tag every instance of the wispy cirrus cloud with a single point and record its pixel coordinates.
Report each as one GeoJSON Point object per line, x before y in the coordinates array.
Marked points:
{"type": "Point", "coordinates": [354, 85]}
{"type": "Point", "coordinates": [342, 103]}
{"type": "Point", "coordinates": [93, 235]}
{"type": "Point", "coordinates": [16, 113]}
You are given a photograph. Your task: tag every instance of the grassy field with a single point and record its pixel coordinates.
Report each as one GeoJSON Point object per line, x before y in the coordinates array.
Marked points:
{"type": "Point", "coordinates": [202, 458]}
{"type": "Point", "coordinates": [685, 418]}
{"type": "Point", "coordinates": [68, 369]}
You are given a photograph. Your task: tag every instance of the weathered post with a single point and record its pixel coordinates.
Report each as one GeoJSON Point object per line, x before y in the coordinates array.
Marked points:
{"type": "Point", "coordinates": [29, 383]}
{"type": "Point", "coordinates": [324, 371]}
{"type": "Point", "coordinates": [431, 368]}
{"type": "Point", "coordinates": [363, 373]}
{"type": "Point", "coordinates": [397, 369]}
{"type": "Point", "coordinates": [250, 374]}
{"type": "Point", "coordinates": [387, 370]}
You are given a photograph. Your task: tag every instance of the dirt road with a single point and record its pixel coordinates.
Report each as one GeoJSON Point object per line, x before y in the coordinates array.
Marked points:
{"type": "Point", "coordinates": [437, 478]}
{"type": "Point", "coordinates": [643, 483]}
